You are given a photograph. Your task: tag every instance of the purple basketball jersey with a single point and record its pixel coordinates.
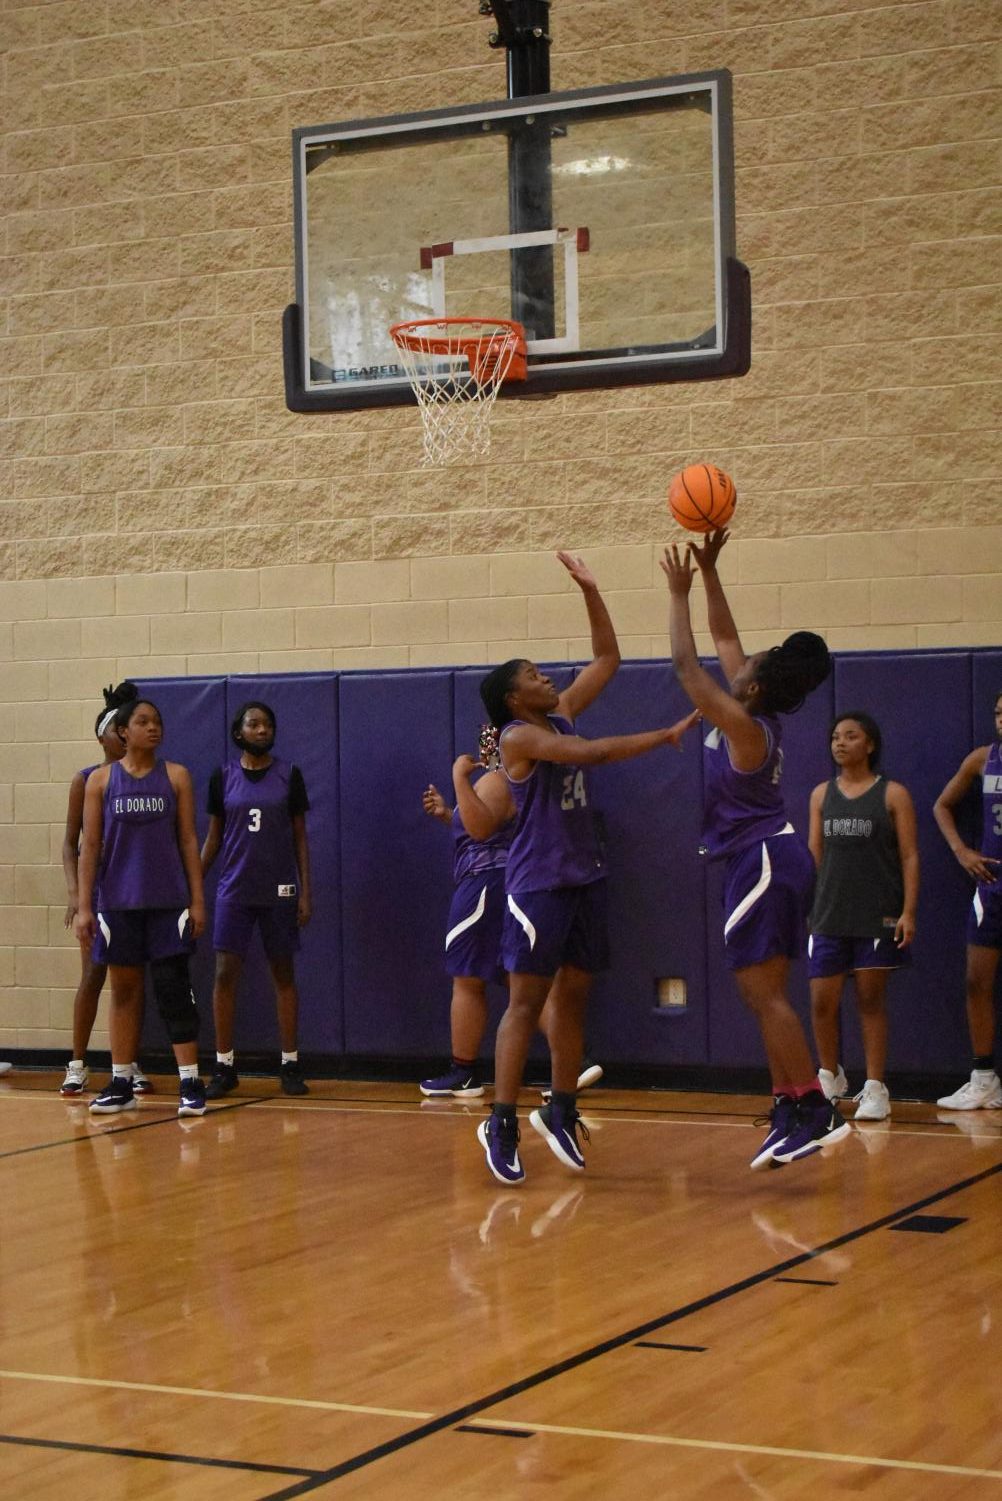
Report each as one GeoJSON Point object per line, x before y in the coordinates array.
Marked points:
{"type": "Point", "coordinates": [471, 856]}
{"type": "Point", "coordinates": [555, 842]}
{"type": "Point", "coordinates": [140, 860]}
{"type": "Point", "coordinates": [991, 827]}
{"type": "Point", "coordinates": [257, 856]}
{"type": "Point", "coordinates": [741, 807]}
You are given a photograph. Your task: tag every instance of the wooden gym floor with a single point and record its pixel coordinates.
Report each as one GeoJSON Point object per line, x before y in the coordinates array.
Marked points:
{"type": "Point", "coordinates": [331, 1297]}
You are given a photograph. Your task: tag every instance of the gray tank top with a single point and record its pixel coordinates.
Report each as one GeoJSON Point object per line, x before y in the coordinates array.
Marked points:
{"type": "Point", "coordinates": [860, 890]}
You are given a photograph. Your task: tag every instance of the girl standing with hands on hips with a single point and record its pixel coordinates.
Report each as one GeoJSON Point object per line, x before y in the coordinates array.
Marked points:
{"type": "Point", "coordinates": [864, 841]}
{"type": "Point", "coordinates": [140, 851]}
{"type": "Point", "coordinates": [769, 871]}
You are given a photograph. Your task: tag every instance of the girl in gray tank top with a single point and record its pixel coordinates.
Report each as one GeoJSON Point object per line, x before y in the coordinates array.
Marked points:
{"type": "Point", "coordinates": [864, 842]}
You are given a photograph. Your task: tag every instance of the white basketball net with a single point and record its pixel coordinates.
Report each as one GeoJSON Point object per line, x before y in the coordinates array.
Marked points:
{"type": "Point", "coordinates": [456, 368]}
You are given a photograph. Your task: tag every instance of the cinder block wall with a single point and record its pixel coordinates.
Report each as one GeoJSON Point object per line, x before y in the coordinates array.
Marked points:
{"type": "Point", "coordinates": [161, 512]}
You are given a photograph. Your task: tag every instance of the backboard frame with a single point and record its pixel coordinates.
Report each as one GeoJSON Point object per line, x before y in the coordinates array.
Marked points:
{"type": "Point", "coordinates": [723, 350]}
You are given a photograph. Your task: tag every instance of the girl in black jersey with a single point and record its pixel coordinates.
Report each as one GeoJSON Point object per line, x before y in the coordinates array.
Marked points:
{"type": "Point", "coordinates": [864, 842]}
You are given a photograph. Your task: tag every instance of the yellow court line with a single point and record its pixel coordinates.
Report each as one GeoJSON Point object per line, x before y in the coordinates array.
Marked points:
{"type": "Point", "coordinates": [699, 1443]}
{"type": "Point", "coordinates": [197, 1391]}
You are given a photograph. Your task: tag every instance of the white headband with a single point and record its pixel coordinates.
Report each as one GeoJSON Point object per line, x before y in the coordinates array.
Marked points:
{"type": "Point", "coordinates": [105, 721]}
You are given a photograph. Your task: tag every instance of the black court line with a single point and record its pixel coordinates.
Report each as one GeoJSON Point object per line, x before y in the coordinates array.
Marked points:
{"type": "Point", "coordinates": [495, 1432]}
{"type": "Point", "coordinates": [654, 1344]}
{"type": "Point", "coordinates": [931, 1224]}
{"type": "Point", "coordinates": [178, 1459]}
{"type": "Point", "coordinates": [808, 1281]}
{"type": "Point", "coordinates": [118, 1130]}
{"type": "Point", "coordinates": [461, 1415]}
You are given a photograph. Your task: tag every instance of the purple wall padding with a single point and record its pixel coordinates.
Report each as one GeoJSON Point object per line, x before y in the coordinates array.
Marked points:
{"type": "Point", "coordinates": [396, 736]}
{"type": "Point", "coordinates": [650, 810]}
{"type": "Point", "coordinates": [371, 976]}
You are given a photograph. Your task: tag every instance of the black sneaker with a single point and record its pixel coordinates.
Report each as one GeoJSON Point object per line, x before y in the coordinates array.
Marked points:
{"type": "Point", "coordinates": [224, 1078]}
{"type": "Point", "coordinates": [115, 1096]}
{"type": "Point", "coordinates": [192, 1100]}
{"type": "Point", "coordinates": [291, 1078]}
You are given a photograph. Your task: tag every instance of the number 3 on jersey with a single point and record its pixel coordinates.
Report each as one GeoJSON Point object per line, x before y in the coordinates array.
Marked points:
{"type": "Point", "coordinates": [573, 791]}
{"type": "Point", "coordinates": [255, 820]}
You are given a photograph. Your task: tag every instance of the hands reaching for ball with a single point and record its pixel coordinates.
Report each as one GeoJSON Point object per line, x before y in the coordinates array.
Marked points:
{"type": "Point", "coordinates": [677, 569]}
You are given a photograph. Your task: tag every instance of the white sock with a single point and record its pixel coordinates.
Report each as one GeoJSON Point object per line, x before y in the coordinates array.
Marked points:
{"type": "Point", "coordinates": [226, 1058]}
{"type": "Point", "coordinates": [122, 1071]}
{"type": "Point", "coordinates": [291, 1057]}
{"type": "Point", "coordinates": [75, 1063]}
{"type": "Point", "coordinates": [188, 1070]}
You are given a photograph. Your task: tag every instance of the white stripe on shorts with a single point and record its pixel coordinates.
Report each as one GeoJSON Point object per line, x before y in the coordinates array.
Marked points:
{"type": "Point", "coordinates": [105, 930]}
{"type": "Point", "coordinates": [468, 922]}
{"type": "Point", "coordinates": [979, 908]}
{"type": "Point", "coordinates": [182, 923]}
{"type": "Point", "coordinates": [523, 921]}
{"type": "Point", "coordinates": [747, 902]}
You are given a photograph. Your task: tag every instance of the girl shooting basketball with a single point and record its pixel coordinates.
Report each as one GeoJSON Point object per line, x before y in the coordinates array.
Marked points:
{"type": "Point", "coordinates": [555, 923]}
{"type": "Point", "coordinates": [769, 873]}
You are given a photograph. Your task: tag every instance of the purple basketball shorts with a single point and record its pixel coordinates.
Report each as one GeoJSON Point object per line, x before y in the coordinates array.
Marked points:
{"type": "Point", "coordinates": [473, 937]}
{"type": "Point", "coordinates": [768, 892]}
{"type": "Point", "coordinates": [233, 927]}
{"type": "Point", "coordinates": [827, 956]}
{"type": "Point", "coordinates": [545, 929]}
{"type": "Point", "coordinates": [984, 920]}
{"type": "Point", "coordinates": [135, 936]}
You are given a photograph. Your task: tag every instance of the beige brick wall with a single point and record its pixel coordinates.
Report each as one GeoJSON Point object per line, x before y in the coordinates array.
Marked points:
{"type": "Point", "coordinates": [161, 511]}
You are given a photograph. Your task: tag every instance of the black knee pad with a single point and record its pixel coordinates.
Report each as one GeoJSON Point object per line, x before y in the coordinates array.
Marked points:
{"type": "Point", "coordinates": [175, 998]}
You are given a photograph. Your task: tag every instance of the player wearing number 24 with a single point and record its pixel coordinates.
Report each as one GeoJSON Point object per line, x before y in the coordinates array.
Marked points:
{"type": "Point", "coordinates": [555, 929]}
{"type": "Point", "coordinates": [257, 825]}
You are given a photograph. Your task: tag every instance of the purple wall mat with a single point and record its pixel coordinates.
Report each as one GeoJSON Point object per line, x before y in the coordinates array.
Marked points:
{"type": "Point", "coordinates": [306, 709]}
{"type": "Point", "coordinates": [194, 715]}
{"type": "Point", "coordinates": [396, 736]}
{"type": "Point", "coordinates": [649, 808]}
{"type": "Point", "coordinates": [922, 703]}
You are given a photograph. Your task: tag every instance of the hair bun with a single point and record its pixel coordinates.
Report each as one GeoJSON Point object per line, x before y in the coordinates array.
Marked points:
{"type": "Point", "coordinates": [125, 693]}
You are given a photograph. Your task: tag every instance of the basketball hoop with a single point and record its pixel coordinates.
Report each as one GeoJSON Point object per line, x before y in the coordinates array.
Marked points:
{"type": "Point", "coordinates": [456, 367]}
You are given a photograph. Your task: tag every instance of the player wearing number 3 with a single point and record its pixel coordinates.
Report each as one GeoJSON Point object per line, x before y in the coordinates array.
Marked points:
{"type": "Point", "coordinates": [555, 923]}
{"type": "Point", "coordinates": [257, 824]}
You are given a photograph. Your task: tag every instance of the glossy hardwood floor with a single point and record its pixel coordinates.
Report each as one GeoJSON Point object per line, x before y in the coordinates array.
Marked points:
{"type": "Point", "coordinates": [331, 1297]}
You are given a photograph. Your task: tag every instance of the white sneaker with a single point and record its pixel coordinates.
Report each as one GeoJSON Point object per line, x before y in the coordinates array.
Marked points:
{"type": "Point", "coordinates": [874, 1102]}
{"type": "Point", "coordinates": [589, 1075]}
{"type": "Point", "coordinates": [76, 1078]}
{"type": "Point", "coordinates": [983, 1091]}
{"type": "Point", "coordinates": [833, 1086]}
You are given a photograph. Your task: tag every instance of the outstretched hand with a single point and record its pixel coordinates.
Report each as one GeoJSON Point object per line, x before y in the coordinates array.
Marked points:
{"type": "Point", "coordinates": [705, 557]}
{"type": "Point", "coordinates": [677, 569]}
{"type": "Point", "coordinates": [578, 570]}
{"type": "Point", "coordinates": [674, 735]}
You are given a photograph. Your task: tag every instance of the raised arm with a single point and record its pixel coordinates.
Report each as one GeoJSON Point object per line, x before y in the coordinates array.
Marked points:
{"type": "Point", "coordinates": [485, 808]}
{"type": "Point", "coordinates": [745, 737]}
{"type": "Point", "coordinates": [605, 649]}
{"type": "Point", "coordinates": [726, 641]}
{"type": "Point", "coordinates": [526, 744]}
{"type": "Point", "coordinates": [981, 867]}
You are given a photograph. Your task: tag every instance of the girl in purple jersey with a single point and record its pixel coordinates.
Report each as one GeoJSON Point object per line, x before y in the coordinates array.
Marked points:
{"type": "Point", "coordinates": [257, 820]}
{"type": "Point", "coordinates": [983, 1091]}
{"type": "Point", "coordinates": [92, 976]}
{"type": "Point", "coordinates": [770, 873]}
{"type": "Point", "coordinates": [555, 929]}
{"type": "Point", "coordinates": [140, 851]}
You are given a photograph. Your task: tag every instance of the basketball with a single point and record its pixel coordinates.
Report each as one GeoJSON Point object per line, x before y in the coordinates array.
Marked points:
{"type": "Point", "coordinates": [702, 498]}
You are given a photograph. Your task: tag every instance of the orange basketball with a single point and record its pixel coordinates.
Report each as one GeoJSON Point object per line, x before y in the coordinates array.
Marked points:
{"type": "Point", "coordinates": [702, 498]}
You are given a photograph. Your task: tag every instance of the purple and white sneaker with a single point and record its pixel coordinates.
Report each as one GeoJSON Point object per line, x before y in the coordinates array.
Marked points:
{"type": "Point", "coordinates": [460, 1083]}
{"type": "Point", "coordinates": [499, 1139]}
{"type": "Point", "coordinates": [559, 1131]}
{"type": "Point", "coordinates": [782, 1120]}
{"type": "Point", "coordinates": [817, 1126]}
